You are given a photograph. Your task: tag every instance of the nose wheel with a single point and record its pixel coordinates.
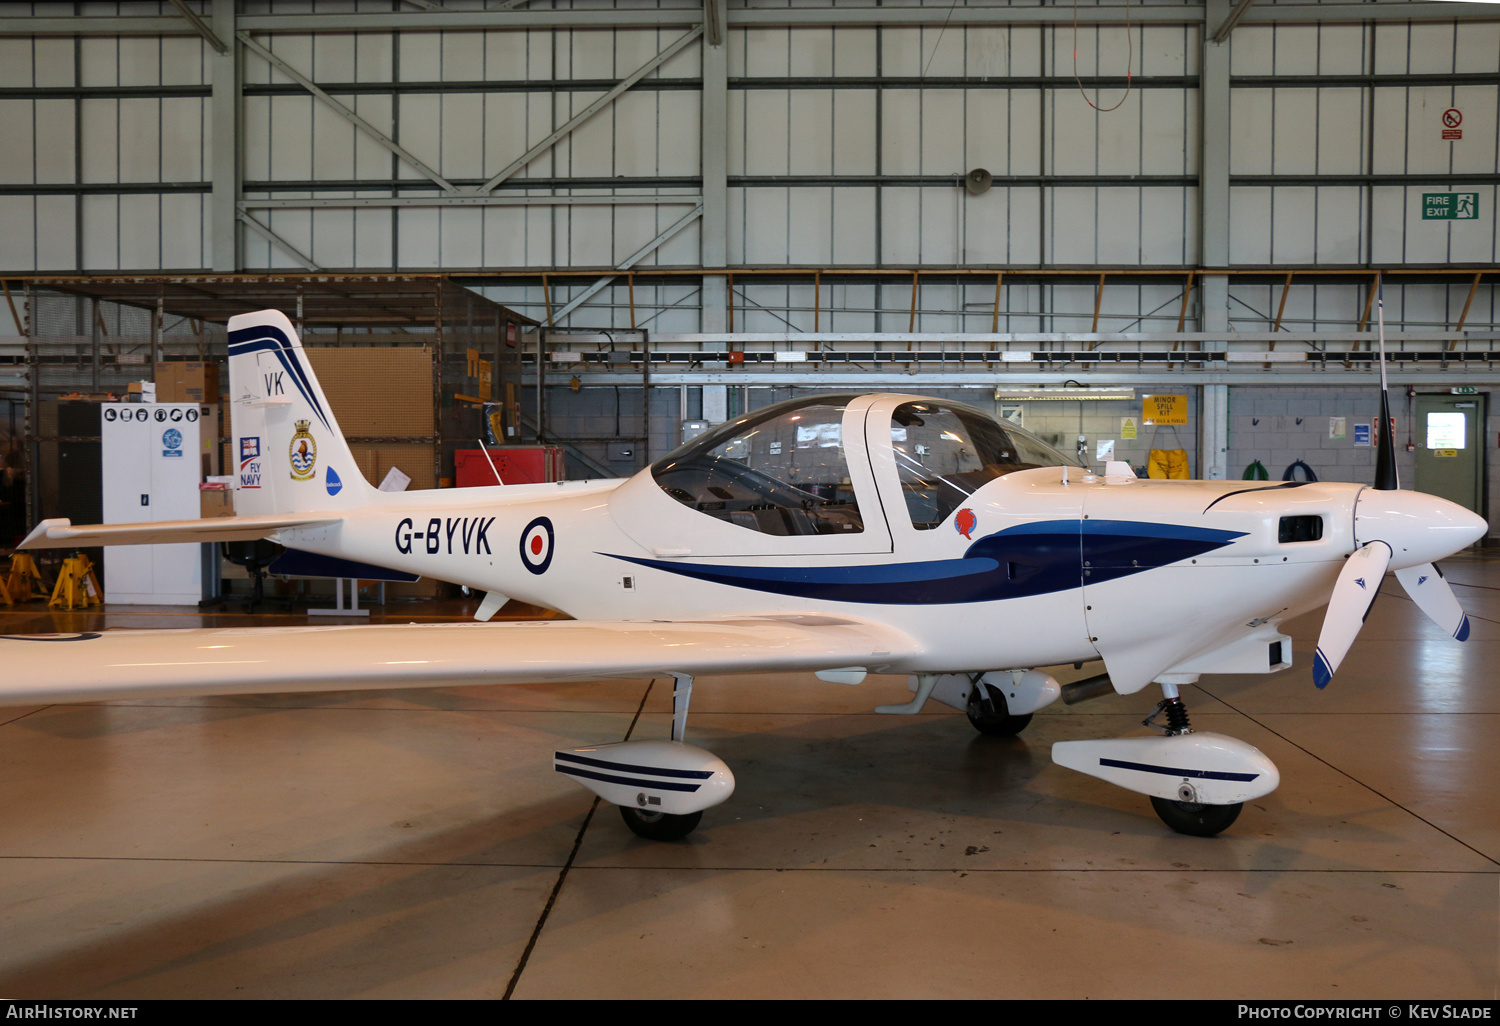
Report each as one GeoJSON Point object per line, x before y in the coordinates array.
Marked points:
{"type": "Point", "coordinates": [989, 714]}
{"type": "Point", "coordinates": [659, 826]}
{"type": "Point", "coordinates": [1194, 818]}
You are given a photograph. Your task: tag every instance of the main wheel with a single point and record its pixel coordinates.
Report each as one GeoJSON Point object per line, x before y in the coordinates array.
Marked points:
{"type": "Point", "coordinates": [659, 826]}
{"type": "Point", "coordinates": [996, 721]}
{"type": "Point", "coordinates": [1195, 818]}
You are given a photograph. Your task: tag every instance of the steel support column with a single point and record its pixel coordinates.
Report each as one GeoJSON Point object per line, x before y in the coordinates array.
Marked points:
{"type": "Point", "coordinates": [224, 256]}
{"type": "Point", "coordinates": [714, 140]}
{"type": "Point", "coordinates": [1213, 244]}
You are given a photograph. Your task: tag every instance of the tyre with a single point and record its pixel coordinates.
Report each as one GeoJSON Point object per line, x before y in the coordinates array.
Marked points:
{"type": "Point", "coordinates": [1194, 818]}
{"type": "Point", "coordinates": [996, 721]}
{"type": "Point", "coordinates": [659, 826]}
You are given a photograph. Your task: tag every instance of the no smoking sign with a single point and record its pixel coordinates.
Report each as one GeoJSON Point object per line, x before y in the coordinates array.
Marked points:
{"type": "Point", "coordinates": [1452, 118]}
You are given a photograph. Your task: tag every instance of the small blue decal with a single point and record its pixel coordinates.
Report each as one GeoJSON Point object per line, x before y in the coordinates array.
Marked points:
{"type": "Point", "coordinates": [334, 484]}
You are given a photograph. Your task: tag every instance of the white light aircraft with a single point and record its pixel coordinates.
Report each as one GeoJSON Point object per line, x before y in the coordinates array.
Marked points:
{"type": "Point", "coordinates": [837, 534]}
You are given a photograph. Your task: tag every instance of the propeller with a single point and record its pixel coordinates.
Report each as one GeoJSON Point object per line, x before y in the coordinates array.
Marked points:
{"type": "Point", "coordinates": [1353, 595]}
{"type": "Point", "coordinates": [1401, 518]}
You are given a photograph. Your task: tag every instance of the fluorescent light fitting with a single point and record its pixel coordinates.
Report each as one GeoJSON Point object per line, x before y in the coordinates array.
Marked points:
{"type": "Point", "coordinates": [1066, 394]}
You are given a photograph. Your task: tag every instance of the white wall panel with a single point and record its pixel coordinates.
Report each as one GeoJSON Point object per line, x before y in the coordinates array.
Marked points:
{"type": "Point", "coordinates": [462, 237]}
{"type": "Point", "coordinates": [421, 56]}
{"type": "Point", "coordinates": [942, 132]}
{"type": "Point", "coordinates": [1164, 229]}
{"type": "Point", "coordinates": [1476, 151]}
{"type": "Point", "coordinates": [810, 132]}
{"type": "Point", "coordinates": [296, 51]}
{"type": "Point", "coordinates": [182, 150]}
{"type": "Point", "coordinates": [1294, 139]}
{"type": "Point", "coordinates": [419, 238]}
{"type": "Point", "coordinates": [56, 239]}
{"type": "Point", "coordinates": [901, 52]}
{"type": "Point", "coordinates": [633, 125]}
{"type": "Point", "coordinates": [18, 129]}
{"type": "Point", "coordinates": [1118, 136]}
{"type": "Point", "coordinates": [1431, 47]}
{"type": "Point", "coordinates": [140, 140]}
{"type": "Point", "coordinates": [101, 233]}
{"type": "Point", "coordinates": [15, 62]}
{"type": "Point", "coordinates": [101, 140]}
{"type": "Point", "coordinates": [1250, 225]}
{"type": "Point", "coordinates": [374, 54]}
{"type": "Point", "coordinates": [901, 226]}
{"type": "Point", "coordinates": [463, 138]}
{"type": "Point", "coordinates": [854, 52]}
{"type": "Point", "coordinates": [1340, 225]}
{"type": "Point", "coordinates": [1293, 209]}
{"type": "Point", "coordinates": [182, 230]}
{"type": "Point", "coordinates": [765, 128]}
{"type": "Point", "coordinates": [332, 146]}
{"type": "Point", "coordinates": [810, 226]}
{"type": "Point", "coordinates": [987, 138]}
{"type": "Point", "coordinates": [1071, 135]}
{"type": "Point", "coordinates": [291, 137]}
{"type": "Point", "coordinates": [182, 61]}
{"type": "Point", "coordinates": [504, 237]}
{"type": "Point", "coordinates": [685, 63]}
{"type": "Point", "coordinates": [505, 129]}
{"type": "Point", "coordinates": [1072, 221]}
{"type": "Point", "coordinates": [591, 238]}
{"type": "Point", "coordinates": [1163, 118]}
{"type": "Point", "coordinates": [332, 237]}
{"type": "Point", "coordinates": [332, 58]}
{"type": "Point", "coordinates": [591, 144]}
{"type": "Point", "coordinates": [1120, 240]}
{"type": "Point", "coordinates": [17, 236]}
{"type": "Point", "coordinates": [987, 51]}
{"type": "Point", "coordinates": [140, 61]}
{"type": "Point", "coordinates": [463, 56]}
{"type": "Point", "coordinates": [421, 130]}
{"type": "Point", "coordinates": [765, 227]}
{"type": "Point", "coordinates": [1251, 49]}
{"type": "Point", "coordinates": [811, 53]}
{"type": "Point", "coordinates": [1387, 224]}
{"type": "Point", "coordinates": [255, 159]}
{"type": "Point", "coordinates": [1342, 139]}
{"type": "Point", "coordinates": [1388, 144]}
{"type": "Point", "coordinates": [678, 124]}
{"type": "Point", "coordinates": [1477, 48]}
{"type": "Point", "coordinates": [941, 212]}
{"type": "Point", "coordinates": [372, 238]}
{"type": "Point", "coordinates": [900, 137]}
{"type": "Point", "coordinates": [1426, 151]}
{"type": "Point", "coordinates": [140, 232]}
{"type": "Point", "coordinates": [853, 226]}
{"type": "Point", "coordinates": [540, 251]}
{"type": "Point", "coordinates": [682, 249]}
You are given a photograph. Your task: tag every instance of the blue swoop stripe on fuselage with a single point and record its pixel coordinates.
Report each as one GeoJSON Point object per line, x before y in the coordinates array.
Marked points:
{"type": "Point", "coordinates": [1018, 562]}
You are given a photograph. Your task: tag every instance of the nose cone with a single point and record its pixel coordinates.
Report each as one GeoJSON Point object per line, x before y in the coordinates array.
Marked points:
{"type": "Point", "coordinates": [1419, 528]}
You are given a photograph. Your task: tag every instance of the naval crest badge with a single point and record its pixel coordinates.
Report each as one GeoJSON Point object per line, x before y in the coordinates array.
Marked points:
{"type": "Point", "coordinates": [303, 452]}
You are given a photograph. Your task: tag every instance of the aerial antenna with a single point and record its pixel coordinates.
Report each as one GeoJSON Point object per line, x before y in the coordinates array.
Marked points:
{"type": "Point", "coordinates": [1386, 478]}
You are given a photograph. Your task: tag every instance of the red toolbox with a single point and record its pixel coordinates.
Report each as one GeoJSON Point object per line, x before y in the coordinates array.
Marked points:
{"type": "Point", "coordinates": [517, 464]}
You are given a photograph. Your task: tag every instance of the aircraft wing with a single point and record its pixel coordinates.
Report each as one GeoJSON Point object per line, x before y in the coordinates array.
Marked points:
{"type": "Point", "coordinates": [123, 664]}
{"type": "Point", "coordinates": [63, 534]}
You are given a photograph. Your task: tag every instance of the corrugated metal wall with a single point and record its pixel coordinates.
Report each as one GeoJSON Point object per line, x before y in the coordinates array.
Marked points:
{"type": "Point", "coordinates": [845, 148]}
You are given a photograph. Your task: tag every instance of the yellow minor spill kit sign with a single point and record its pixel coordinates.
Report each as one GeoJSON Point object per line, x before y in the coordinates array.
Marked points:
{"type": "Point", "coordinates": [1163, 409]}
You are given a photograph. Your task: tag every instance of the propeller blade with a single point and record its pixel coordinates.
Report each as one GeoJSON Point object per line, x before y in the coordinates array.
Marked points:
{"type": "Point", "coordinates": [1386, 478]}
{"type": "Point", "coordinates": [1434, 596]}
{"type": "Point", "coordinates": [1358, 584]}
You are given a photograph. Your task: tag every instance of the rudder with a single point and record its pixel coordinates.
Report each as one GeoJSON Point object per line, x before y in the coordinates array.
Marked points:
{"type": "Point", "coordinates": [290, 455]}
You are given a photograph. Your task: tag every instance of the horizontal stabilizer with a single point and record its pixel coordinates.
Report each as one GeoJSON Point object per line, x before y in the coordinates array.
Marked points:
{"type": "Point", "coordinates": [94, 667]}
{"type": "Point", "coordinates": [62, 534]}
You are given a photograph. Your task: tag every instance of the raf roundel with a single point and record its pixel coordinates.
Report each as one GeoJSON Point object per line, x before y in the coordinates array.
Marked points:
{"type": "Point", "coordinates": [536, 545]}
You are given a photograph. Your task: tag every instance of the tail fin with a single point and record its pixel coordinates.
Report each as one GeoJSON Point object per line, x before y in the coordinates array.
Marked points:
{"type": "Point", "coordinates": [289, 451]}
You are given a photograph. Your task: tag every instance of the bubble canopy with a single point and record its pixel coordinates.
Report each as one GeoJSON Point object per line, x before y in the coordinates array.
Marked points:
{"type": "Point", "coordinates": [784, 470]}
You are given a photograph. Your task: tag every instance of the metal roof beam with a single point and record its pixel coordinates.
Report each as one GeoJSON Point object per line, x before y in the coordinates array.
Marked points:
{"type": "Point", "coordinates": [620, 87]}
{"type": "Point", "coordinates": [358, 122]}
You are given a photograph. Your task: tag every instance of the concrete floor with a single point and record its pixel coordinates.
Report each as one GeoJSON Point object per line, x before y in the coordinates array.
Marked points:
{"type": "Point", "coordinates": [418, 843]}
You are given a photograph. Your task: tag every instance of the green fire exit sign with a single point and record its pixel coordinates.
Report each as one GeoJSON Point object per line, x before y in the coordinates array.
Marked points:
{"type": "Point", "coordinates": [1450, 206]}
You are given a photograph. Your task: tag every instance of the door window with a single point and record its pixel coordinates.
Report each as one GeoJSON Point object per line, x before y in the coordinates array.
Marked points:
{"type": "Point", "coordinates": [781, 471]}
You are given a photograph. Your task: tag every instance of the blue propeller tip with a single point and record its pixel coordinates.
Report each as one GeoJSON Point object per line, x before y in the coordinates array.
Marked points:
{"type": "Point", "coordinates": [1321, 672]}
{"type": "Point", "coordinates": [1462, 634]}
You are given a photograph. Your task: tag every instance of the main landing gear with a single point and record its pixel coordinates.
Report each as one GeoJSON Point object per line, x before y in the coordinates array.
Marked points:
{"type": "Point", "coordinates": [1197, 782]}
{"type": "Point", "coordinates": [661, 787]}
{"type": "Point", "coordinates": [989, 714]}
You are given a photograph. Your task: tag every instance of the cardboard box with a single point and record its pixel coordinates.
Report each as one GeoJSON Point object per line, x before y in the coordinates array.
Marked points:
{"type": "Point", "coordinates": [215, 503]}
{"type": "Point", "coordinates": [187, 381]}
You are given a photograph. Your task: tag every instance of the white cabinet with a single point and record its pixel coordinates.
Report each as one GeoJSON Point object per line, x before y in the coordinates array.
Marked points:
{"type": "Point", "coordinates": [152, 464]}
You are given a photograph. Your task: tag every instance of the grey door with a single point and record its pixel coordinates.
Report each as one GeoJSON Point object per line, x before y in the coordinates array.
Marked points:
{"type": "Point", "coordinates": [1450, 448]}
